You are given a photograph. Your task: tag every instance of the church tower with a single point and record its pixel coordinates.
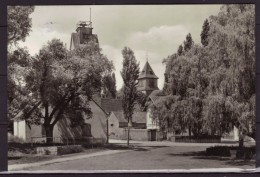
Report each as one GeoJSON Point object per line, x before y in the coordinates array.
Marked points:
{"type": "Point", "coordinates": [83, 34]}
{"type": "Point", "coordinates": [147, 80]}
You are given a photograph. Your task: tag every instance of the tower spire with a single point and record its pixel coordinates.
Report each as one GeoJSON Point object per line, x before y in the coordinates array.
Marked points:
{"type": "Point", "coordinates": [90, 15]}
{"type": "Point", "coordinates": [146, 56]}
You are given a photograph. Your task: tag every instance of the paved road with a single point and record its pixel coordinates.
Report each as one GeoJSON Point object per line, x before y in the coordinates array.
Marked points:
{"type": "Point", "coordinates": [150, 156]}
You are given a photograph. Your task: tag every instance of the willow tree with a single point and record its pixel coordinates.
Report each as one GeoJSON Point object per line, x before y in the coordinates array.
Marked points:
{"type": "Point", "coordinates": [232, 50]}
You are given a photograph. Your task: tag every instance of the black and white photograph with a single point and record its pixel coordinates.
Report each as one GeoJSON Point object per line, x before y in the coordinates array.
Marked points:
{"type": "Point", "coordinates": [131, 88]}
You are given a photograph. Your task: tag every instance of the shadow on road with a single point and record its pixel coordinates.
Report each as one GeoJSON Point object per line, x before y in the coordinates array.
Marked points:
{"type": "Point", "coordinates": [227, 160]}
{"type": "Point", "coordinates": [132, 146]}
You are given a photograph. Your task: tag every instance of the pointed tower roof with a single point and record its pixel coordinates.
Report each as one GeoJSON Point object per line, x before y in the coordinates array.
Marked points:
{"type": "Point", "coordinates": [147, 72]}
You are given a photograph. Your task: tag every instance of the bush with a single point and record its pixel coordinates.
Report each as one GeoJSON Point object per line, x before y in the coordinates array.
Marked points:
{"type": "Point", "coordinates": [69, 149]}
{"type": "Point", "coordinates": [198, 139]}
{"type": "Point", "coordinates": [245, 153]}
{"type": "Point", "coordinates": [222, 151]}
{"type": "Point", "coordinates": [15, 139]}
{"type": "Point", "coordinates": [25, 148]}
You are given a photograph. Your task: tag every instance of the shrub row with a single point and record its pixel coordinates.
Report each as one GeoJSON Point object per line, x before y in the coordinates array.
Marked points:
{"type": "Point", "coordinates": [69, 149]}
{"type": "Point", "coordinates": [202, 139]}
{"type": "Point", "coordinates": [224, 151]}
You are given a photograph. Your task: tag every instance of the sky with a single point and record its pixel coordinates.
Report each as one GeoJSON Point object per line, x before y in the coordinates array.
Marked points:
{"type": "Point", "coordinates": [153, 32]}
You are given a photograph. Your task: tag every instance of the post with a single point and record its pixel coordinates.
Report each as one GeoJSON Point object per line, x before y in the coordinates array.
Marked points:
{"type": "Point", "coordinates": [107, 132]}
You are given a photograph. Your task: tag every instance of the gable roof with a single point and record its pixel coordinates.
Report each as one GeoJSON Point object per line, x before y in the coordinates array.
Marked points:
{"type": "Point", "coordinates": [155, 95]}
{"type": "Point", "coordinates": [138, 116]}
{"type": "Point", "coordinates": [108, 104]}
{"type": "Point", "coordinates": [147, 72]}
{"type": "Point", "coordinates": [111, 104]}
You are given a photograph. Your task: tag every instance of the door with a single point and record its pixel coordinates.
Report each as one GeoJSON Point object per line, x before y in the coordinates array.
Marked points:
{"type": "Point", "coordinates": [86, 130]}
{"type": "Point", "coordinates": [153, 135]}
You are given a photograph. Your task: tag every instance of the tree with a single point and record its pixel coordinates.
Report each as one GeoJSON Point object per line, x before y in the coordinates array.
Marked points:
{"type": "Point", "coordinates": [109, 85]}
{"type": "Point", "coordinates": [180, 50]}
{"type": "Point", "coordinates": [169, 112]}
{"type": "Point", "coordinates": [142, 99]}
{"type": "Point", "coordinates": [188, 42]}
{"type": "Point", "coordinates": [64, 82]}
{"type": "Point", "coordinates": [18, 23]}
{"type": "Point", "coordinates": [217, 81]}
{"type": "Point", "coordinates": [18, 59]}
{"type": "Point", "coordinates": [204, 33]}
{"type": "Point", "coordinates": [129, 73]}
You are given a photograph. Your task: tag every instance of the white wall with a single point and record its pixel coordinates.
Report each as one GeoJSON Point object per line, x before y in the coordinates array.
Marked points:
{"type": "Point", "coordinates": [150, 124]}
{"type": "Point", "coordinates": [236, 133]}
{"type": "Point", "coordinates": [20, 129]}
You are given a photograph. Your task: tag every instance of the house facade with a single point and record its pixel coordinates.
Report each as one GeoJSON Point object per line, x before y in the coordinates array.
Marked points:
{"type": "Point", "coordinates": [95, 128]}
{"type": "Point", "coordinates": [118, 125]}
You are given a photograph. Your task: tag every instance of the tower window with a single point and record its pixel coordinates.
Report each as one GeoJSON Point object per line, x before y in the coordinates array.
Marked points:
{"type": "Point", "coordinates": [151, 83]}
{"type": "Point", "coordinates": [140, 83]}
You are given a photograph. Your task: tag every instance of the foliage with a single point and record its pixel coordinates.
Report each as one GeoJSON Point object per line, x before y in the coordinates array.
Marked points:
{"type": "Point", "coordinates": [223, 151]}
{"type": "Point", "coordinates": [180, 50]}
{"type": "Point", "coordinates": [129, 73]}
{"type": "Point", "coordinates": [69, 149]}
{"type": "Point", "coordinates": [15, 139]}
{"type": "Point", "coordinates": [18, 22]}
{"type": "Point", "coordinates": [63, 83]}
{"type": "Point", "coordinates": [215, 82]}
{"type": "Point", "coordinates": [141, 99]}
{"type": "Point", "coordinates": [204, 33]}
{"type": "Point", "coordinates": [109, 85]}
{"type": "Point", "coordinates": [19, 61]}
{"type": "Point", "coordinates": [188, 43]}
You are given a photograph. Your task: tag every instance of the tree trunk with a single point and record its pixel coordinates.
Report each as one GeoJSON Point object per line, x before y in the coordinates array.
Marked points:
{"type": "Point", "coordinates": [107, 132]}
{"type": "Point", "coordinates": [189, 131]}
{"type": "Point", "coordinates": [128, 135]}
{"type": "Point", "coordinates": [49, 134]}
{"type": "Point", "coordinates": [240, 150]}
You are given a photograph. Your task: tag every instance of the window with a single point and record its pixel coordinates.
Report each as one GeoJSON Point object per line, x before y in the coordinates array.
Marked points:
{"type": "Point", "coordinates": [111, 125]}
{"type": "Point", "coordinates": [151, 83]}
{"type": "Point", "coordinates": [140, 83]}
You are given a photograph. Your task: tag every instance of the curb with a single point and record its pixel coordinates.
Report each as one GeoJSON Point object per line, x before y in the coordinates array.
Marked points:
{"type": "Point", "coordinates": [63, 159]}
